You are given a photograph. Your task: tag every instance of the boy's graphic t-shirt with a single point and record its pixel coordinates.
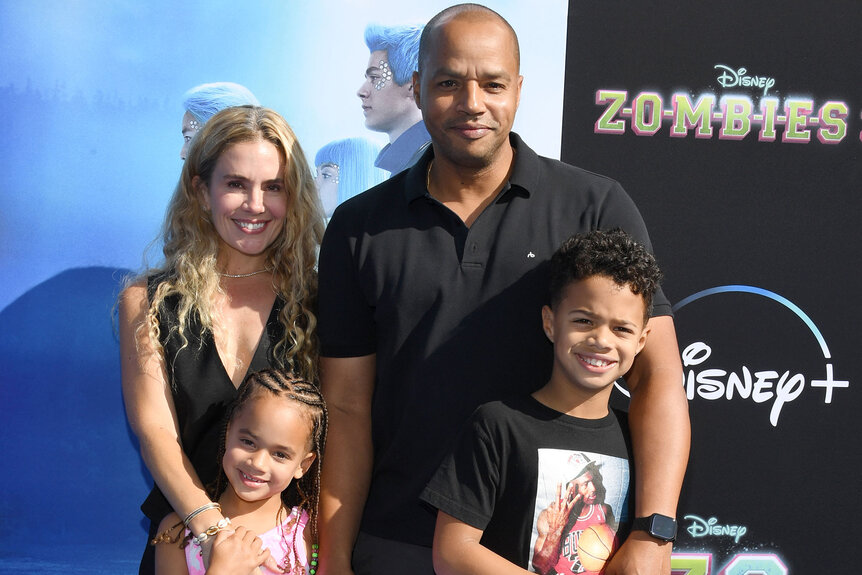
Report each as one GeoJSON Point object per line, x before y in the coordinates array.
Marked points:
{"type": "Point", "coordinates": [549, 491]}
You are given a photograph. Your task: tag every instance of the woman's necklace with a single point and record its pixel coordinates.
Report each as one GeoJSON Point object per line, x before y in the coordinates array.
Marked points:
{"type": "Point", "coordinates": [248, 275]}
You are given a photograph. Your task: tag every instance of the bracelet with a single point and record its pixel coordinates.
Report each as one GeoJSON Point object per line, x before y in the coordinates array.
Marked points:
{"type": "Point", "coordinates": [211, 531]}
{"type": "Point", "coordinates": [198, 511]}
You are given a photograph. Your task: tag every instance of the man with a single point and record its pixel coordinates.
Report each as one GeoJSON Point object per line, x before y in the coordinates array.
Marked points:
{"type": "Point", "coordinates": [387, 95]}
{"type": "Point", "coordinates": [560, 524]}
{"type": "Point", "coordinates": [429, 289]}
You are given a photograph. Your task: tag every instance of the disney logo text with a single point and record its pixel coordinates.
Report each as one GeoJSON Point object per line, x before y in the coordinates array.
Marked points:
{"type": "Point", "coordinates": [702, 527]}
{"type": "Point", "coordinates": [730, 78]}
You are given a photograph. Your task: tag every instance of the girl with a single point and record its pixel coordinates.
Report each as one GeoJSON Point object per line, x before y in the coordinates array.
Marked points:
{"type": "Point", "coordinates": [235, 295]}
{"type": "Point", "coordinates": [269, 483]}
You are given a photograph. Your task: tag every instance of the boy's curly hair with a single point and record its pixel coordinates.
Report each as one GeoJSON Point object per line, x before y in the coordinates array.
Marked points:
{"type": "Point", "coordinates": [612, 254]}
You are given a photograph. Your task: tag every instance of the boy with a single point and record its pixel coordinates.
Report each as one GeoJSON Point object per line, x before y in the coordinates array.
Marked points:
{"type": "Point", "coordinates": [557, 461]}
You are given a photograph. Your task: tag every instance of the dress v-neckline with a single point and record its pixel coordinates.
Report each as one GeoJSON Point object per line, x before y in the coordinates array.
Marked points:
{"type": "Point", "coordinates": [259, 351]}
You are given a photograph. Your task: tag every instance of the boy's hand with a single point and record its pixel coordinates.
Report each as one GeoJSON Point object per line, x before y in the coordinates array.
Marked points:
{"type": "Point", "coordinates": [640, 554]}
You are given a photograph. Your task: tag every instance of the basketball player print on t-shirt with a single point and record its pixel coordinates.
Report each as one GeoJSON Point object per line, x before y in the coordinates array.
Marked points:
{"type": "Point", "coordinates": [581, 499]}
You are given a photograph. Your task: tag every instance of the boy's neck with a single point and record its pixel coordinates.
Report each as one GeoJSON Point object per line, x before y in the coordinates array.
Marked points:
{"type": "Point", "coordinates": [563, 396]}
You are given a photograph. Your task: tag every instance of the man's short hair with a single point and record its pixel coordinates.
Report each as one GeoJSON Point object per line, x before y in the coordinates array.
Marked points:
{"type": "Point", "coordinates": [401, 44]}
{"type": "Point", "coordinates": [612, 254]}
{"type": "Point", "coordinates": [452, 12]}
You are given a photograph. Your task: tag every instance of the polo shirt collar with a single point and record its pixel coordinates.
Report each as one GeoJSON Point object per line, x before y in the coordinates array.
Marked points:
{"type": "Point", "coordinates": [525, 171]}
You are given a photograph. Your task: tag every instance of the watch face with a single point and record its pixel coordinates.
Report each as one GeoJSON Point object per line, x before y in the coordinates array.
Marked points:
{"type": "Point", "coordinates": [663, 527]}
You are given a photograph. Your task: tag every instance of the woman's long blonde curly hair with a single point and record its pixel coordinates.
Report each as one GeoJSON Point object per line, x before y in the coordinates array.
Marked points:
{"type": "Point", "coordinates": [191, 242]}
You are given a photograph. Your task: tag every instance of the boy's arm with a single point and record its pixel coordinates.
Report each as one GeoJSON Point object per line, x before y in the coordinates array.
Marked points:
{"type": "Point", "coordinates": [661, 438]}
{"type": "Point", "coordinates": [457, 551]}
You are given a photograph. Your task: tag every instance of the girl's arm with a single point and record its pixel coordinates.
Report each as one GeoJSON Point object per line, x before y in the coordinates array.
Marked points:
{"type": "Point", "coordinates": [152, 416]}
{"type": "Point", "coordinates": [170, 557]}
{"type": "Point", "coordinates": [457, 551]}
{"type": "Point", "coordinates": [237, 552]}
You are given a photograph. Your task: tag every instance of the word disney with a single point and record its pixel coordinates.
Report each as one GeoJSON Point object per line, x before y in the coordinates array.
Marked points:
{"type": "Point", "coordinates": [733, 116]}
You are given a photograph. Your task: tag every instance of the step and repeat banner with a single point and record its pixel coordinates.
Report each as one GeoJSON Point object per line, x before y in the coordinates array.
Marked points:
{"type": "Point", "coordinates": [737, 129]}
{"type": "Point", "coordinates": [735, 126]}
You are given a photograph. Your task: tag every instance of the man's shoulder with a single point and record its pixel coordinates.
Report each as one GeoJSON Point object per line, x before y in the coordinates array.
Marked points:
{"type": "Point", "coordinates": [543, 174]}
{"type": "Point", "coordinates": [379, 203]}
{"type": "Point", "coordinates": [571, 177]}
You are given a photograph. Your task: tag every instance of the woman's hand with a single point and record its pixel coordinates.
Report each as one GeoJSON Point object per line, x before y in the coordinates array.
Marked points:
{"type": "Point", "coordinates": [237, 552]}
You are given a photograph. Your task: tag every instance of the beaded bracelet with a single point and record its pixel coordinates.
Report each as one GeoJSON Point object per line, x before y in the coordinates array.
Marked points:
{"type": "Point", "coordinates": [198, 511]}
{"type": "Point", "coordinates": [211, 531]}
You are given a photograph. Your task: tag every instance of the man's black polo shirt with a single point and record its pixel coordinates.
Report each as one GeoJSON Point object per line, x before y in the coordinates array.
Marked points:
{"type": "Point", "coordinates": [453, 313]}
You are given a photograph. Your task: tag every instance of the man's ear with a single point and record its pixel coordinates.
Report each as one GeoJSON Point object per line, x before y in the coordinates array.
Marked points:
{"type": "Point", "coordinates": [548, 322]}
{"type": "Point", "coordinates": [415, 88]}
{"type": "Point", "coordinates": [520, 84]}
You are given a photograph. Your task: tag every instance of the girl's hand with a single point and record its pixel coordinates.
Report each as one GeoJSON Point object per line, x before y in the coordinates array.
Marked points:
{"type": "Point", "coordinates": [237, 552]}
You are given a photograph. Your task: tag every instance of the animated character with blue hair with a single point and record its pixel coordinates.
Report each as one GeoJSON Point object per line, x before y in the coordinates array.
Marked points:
{"type": "Point", "coordinates": [202, 102]}
{"type": "Point", "coordinates": [344, 169]}
{"type": "Point", "coordinates": [387, 95]}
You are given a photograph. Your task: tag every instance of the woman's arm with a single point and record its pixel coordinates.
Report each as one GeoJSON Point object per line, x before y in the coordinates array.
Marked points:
{"type": "Point", "coordinates": [457, 551]}
{"type": "Point", "coordinates": [151, 413]}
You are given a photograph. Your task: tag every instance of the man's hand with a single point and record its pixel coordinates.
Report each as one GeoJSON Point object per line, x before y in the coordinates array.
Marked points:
{"type": "Point", "coordinates": [550, 525]}
{"type": "Point", "coordinates": [641, 554]}
{"type": "Point", "coordinates": [556, 515]}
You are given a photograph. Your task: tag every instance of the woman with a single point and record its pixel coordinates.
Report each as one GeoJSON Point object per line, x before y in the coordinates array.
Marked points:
{"type": "Point", "coordinates": [344, 169]}
{"type": "Point", "coordinates": [202, 102]}
{"type": "Point", "coordinates": [234, 295]}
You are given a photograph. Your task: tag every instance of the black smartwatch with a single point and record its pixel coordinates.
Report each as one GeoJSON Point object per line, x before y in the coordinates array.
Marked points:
{"type": "Point", "coordinates": [658, 526]}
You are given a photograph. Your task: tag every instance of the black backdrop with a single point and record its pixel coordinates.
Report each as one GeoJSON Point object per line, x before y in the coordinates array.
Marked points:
{"type": "Point", "coordinates": [759, 241]}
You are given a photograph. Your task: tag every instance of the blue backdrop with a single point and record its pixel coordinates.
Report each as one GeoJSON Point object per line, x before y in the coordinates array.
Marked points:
{"type": "Point", "coordinates": [90, 112]}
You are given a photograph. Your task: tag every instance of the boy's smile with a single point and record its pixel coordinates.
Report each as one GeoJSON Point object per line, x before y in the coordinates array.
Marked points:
{"type": "Point", "coordinates": [597, 329]}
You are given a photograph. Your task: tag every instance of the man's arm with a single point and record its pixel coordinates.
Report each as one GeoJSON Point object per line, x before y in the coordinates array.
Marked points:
{"type": "Point", "coordinates": [347, 385]}
{"type": "Point", "coordinates": [661, 438]}
{"type": "Point", "coordinates": [550, 525]}
{"type": "Point", "coordinates": [457, 551]}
